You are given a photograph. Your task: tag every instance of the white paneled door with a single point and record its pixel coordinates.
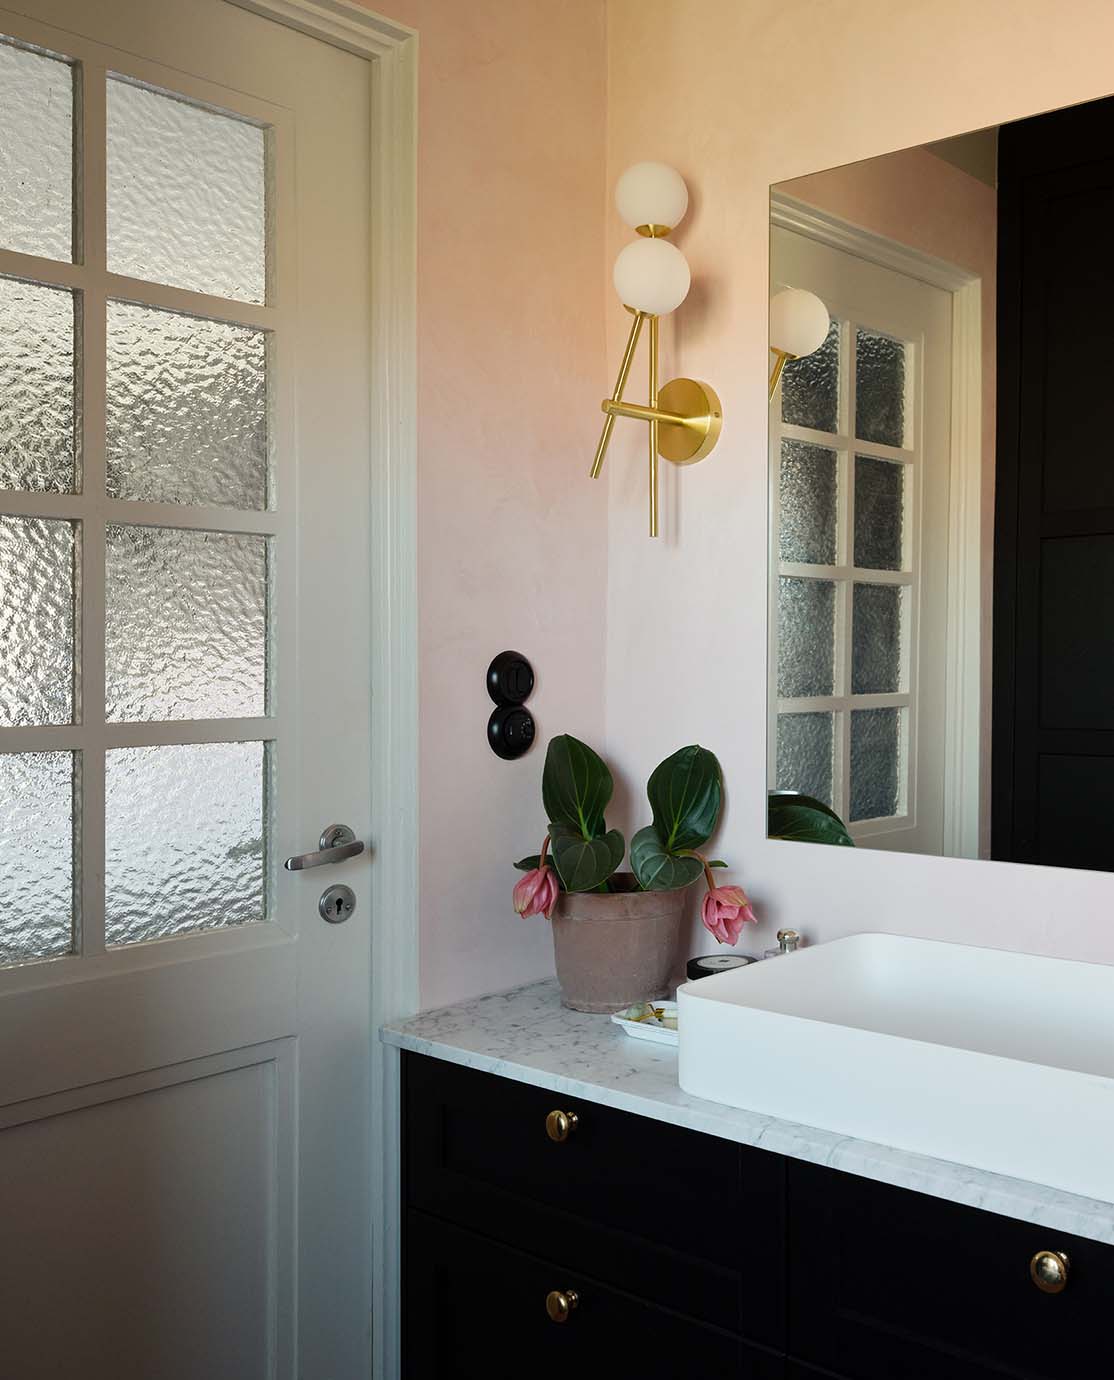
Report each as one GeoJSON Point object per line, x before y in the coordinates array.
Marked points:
{"type": "Point", "coordinates": [185, 692]}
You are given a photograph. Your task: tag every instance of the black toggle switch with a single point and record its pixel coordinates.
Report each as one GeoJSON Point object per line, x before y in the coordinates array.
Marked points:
{"type": "Point", "coordinates": [510, 678]}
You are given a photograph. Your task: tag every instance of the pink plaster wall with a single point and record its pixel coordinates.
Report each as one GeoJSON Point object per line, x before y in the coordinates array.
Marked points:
{"type": "Point", "coordinates": [919, 200]}
{"type": "Point", "coordinates": [512, 539]}
{"type": "Point", "coordinates": [745, 95]}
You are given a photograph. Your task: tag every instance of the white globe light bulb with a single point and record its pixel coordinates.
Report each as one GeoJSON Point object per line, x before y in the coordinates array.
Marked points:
{"type": "Point", "coordinates": [799, 322]}
{"type": "Point", "coordinates": [651, 194]}
{"type": "Point", "coordinates": [652, 276]}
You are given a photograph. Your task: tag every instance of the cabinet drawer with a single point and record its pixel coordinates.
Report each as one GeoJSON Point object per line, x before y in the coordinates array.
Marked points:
{"type": "Point", "coordinates": [475, 1308]}
{"type": "Point", "coordinates": [676, 1217]}
{"type": "Point", "coordinates": [887, 1283]}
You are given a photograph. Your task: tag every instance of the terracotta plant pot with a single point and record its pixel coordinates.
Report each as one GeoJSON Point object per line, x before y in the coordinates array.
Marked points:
{"type": "Point", "coordinates": [613, 949]}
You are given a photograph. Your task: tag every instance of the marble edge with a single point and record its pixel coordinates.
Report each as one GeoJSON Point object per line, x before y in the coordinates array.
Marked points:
{"type": "Point", "coordinates": [1036, 1203]}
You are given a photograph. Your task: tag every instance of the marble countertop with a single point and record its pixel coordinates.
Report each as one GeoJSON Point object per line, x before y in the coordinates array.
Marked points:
{"type": "Point", "coordinates": [527, 1035]}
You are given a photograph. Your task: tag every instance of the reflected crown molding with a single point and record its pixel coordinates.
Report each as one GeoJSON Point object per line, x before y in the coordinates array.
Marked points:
{"type": "Point", "coordinates": [787, 213]}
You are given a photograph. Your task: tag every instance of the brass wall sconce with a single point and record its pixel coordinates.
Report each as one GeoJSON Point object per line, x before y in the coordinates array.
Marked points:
{"type": "Point", "coordinates": [652, 279]}
{"type": "Point", "coordinates": [799, 324]}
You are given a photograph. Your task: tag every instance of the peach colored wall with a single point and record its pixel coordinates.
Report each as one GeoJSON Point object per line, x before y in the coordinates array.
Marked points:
{"type": "Point", "coordinates": [512, 541]}
{"type": "Point", "coordinates": [919, 200]}
{"type": "Point", "coordinates": [741, 96]}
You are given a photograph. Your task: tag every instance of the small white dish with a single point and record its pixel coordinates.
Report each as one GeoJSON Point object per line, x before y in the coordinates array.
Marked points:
{"type": "Point", "coordinates": [647, 1028]}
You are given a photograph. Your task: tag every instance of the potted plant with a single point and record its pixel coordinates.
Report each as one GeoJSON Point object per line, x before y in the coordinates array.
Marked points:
{"type": "Point", "coordinates": [616, 934]}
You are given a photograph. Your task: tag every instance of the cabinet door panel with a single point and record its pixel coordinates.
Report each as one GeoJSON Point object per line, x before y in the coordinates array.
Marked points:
{"type": "Point", "coordinates": [673, 1215]}
{"type": "Point", "coordinates": [476, 1310]}
{"type": "Point", "coordinates": [886, 1283]}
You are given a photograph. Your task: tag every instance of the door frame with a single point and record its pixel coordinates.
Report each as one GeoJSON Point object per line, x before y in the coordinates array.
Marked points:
{"type": "Point", "coordinates": [964, 669]}
{"type": "Point", "coordinates": [392, 50]}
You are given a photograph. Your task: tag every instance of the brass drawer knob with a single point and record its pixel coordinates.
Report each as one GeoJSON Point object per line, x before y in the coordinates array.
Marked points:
{"type": "Point", "coordinates": [559, 1126]}
{"type": "Point", "coordinates": [559, 1303]}
{"type": "Point", "coordinates": [1049, 1271]}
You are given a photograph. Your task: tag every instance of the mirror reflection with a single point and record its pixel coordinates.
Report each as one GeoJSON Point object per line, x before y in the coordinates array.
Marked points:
{"type": "Point", "coordinates": [942, 499]}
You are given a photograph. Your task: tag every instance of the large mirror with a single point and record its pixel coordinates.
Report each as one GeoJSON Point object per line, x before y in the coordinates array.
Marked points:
{"type": "Point", "coordinates": [941, 568]}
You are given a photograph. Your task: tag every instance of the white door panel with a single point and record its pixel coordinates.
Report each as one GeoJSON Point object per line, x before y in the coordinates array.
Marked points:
{"type": "Point", "coordinates": [202, 1055]}
{"type": "Point", "coordinates": [157, 1197]}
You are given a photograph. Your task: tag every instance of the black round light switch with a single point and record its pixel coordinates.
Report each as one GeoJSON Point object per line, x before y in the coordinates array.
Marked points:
{"type": "Point", "coordinates": [510, 731]}
{"type": "Point", "coordinates": [510, 678]}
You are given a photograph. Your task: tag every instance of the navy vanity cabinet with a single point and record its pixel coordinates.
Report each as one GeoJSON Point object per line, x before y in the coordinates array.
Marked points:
{"type": "Point", "coordinates": [677, 1238]}
{"type": "Point", "coordinates": [885, 1284]}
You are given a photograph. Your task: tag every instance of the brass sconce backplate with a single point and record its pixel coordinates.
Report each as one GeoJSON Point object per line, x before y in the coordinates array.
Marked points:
{"type": "Point", "coordinates": [692, 440]}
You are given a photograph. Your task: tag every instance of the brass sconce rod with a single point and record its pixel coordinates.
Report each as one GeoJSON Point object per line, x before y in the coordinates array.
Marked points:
{"type": "Point", "coordinates": [783, 358]}
{"type": "Point", "coordinates": [620, 384]}
{"type": "Point", "coordinates": [654, 426]}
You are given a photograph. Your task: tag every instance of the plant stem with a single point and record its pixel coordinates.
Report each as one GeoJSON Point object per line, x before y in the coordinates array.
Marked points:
{"type": "Point", "coordinates": [692, 853]}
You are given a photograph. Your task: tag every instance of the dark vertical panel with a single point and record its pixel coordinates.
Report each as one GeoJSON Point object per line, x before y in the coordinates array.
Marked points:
{"type": "Point", "coordinates": [1054, 521]}
{"type": "Point", "coordinates": [1077, 633]}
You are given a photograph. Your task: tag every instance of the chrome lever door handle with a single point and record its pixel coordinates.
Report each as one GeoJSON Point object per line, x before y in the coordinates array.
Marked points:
{"type": "Point", "coordinates": [336, 843]}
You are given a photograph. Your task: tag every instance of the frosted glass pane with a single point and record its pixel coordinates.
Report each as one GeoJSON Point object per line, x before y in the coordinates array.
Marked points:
{"type": "Point", "coordinates": [810, 387]}
{"type": "Point", "coordinates": [879, 388]}
{"type": "Point", "coordinates": [875, 763]}
{"type": "Point", "coordinates": [36, 855]}
{"type": "Point", "coordinates": [36, 387]}
{"type": "Point", "coordinates": [36, 154]}
{"type": "Point", "coordinates": [186, 624]}
{"type": "Point", "coordinates": [183, 839]}
{"type": "Point", "coordinates": [808, 503]}
{"type": "Point", "coordinates": [806, 637]}
{"type": "Point", "coordinates": [36, 622]}
{"type": "Point", "coordinates": [804, 754]}
{"type": "Point", "coordinates": [879, 513]}
{"type": "Point", "coordinates": [187, 409]}
{"type": "Point", "coordinates": [186, 195]}
{"type": "Point", "coordinates": [876, 639]}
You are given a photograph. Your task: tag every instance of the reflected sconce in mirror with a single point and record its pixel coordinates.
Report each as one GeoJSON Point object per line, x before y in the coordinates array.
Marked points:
{"type": "Point", "coordinates": [652, 279]}
{"type": "Point", "coordinates": [799, 323]}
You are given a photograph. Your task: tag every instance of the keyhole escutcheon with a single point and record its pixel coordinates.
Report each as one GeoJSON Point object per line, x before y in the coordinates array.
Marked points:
{"type": "Point", "coordinates": [337, 904]}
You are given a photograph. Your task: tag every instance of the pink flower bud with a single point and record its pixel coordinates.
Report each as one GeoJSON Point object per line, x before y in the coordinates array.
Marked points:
{"type": "Point", "coordinates": [537, 892]}
{"type": "Point", "coordinates": [725, 911]}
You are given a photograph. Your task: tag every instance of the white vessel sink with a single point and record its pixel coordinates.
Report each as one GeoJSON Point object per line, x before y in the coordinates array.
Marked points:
{"type": "Point", "coordinates": [997, 1060]}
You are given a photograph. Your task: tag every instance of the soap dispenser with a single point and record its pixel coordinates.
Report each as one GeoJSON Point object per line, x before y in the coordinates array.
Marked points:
{"type": "Point", "coordinates": [788, 941]}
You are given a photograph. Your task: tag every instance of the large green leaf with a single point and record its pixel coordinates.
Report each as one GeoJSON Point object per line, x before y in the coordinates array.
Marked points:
{"type": "Point", "coordinates": [799, 798]}
{"type": "Point", "coordinates": [803, 819]}
{"type": "Point", "coordinates": [576, 786]}
{"type": "Point", "coordinates": [583, 864]}
{"type": "Point", "coordinates": [656, 868]}
{"type": "Point", "coordinates": [686, 792]}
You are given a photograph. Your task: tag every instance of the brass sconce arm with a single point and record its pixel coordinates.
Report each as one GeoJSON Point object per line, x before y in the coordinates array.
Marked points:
{"type": "Point", "coordinates": [620, 384]}
{"type": "Point", "coordinates": [648, 414]}
{"type": "Point", "coordinates": [782, 358]}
